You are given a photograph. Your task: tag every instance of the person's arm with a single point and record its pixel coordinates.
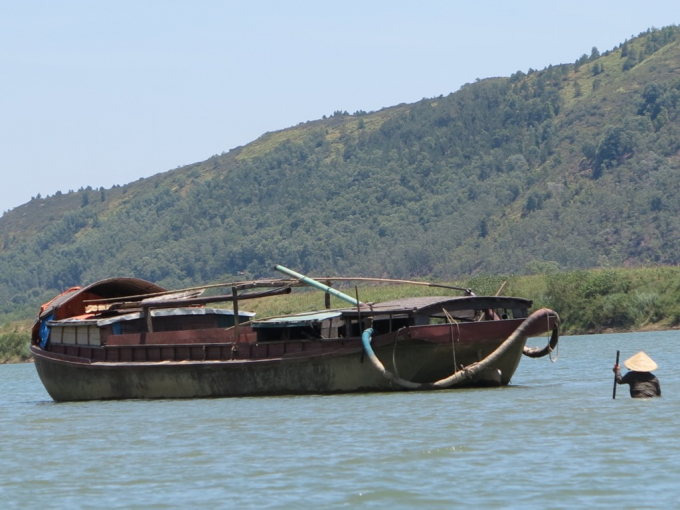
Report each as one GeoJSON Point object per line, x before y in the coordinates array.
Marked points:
{"type": "Point", "coordinates": [619, 379]}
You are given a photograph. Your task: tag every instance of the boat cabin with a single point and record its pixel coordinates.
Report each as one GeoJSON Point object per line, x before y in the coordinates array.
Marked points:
{"type": "Point", "coordinates": [389, 317]}
{"type": "Point", "coordinates": [90, 316]}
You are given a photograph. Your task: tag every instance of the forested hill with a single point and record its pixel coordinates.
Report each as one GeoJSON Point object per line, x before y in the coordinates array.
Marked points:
{"type": "Point", "coordinates": [573, 166]}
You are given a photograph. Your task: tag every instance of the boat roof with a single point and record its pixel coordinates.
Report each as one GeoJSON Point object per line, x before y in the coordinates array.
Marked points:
{"type": "Point", "coordinates": [161, 312]}
{"type": "Point", "coordinates": [297, 319]}
{"type": "Point", "coordinates": [412, 305]}
{"type": "Point", "coordinates": [430, 304]}
{"type": "Point", "coordinates": [106, 289]}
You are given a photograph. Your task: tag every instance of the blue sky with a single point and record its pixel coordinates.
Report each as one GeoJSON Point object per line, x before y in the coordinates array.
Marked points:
{"type": "Point", "coordinates": [97, 93]}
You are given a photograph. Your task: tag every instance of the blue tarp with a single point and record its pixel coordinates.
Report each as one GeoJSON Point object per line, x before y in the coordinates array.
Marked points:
{"type": "Point", "coordinates": [45, 331]}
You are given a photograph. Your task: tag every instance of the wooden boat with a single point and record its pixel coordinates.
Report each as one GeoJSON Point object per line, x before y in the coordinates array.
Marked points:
{"type": "Point", "coordinates": [126, 338]}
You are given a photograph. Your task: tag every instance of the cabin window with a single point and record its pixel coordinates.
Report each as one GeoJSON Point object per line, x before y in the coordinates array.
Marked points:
{"type": "Point", "coordinates": [310, 331]}
{"type": "Point", "coordinates": [448, 316]}
{"type": "Point", "coordinates": [350, 328]}
{"type": "Point", "coordinates": [453, 316]}
{"type": "Point", "coordinates": [384, 325]}
{"type": "Point", "coordinates": [330, 328]}
{"type": "Point", "coordinates": [381, 324]}
{"type": "Point", "coordinates": [87, 334]}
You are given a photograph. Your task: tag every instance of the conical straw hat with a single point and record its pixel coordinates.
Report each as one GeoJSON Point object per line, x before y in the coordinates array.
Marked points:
{"type": "Point", "coordinates": [640, 363]}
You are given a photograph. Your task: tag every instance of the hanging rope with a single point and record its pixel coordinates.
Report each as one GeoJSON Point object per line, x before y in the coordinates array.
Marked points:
{"type": "Point", "coordinates": [536, 352]}
{"type": "Point", "coordinates": [394, 352]}
{"type": "Point", "coordinates": [452, 321]}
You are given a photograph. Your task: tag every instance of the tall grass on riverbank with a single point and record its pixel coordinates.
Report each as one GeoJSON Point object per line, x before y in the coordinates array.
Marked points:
{"type": "Point", "coordinates": [14, 340]}
{"type": "Point", "coordinates": [603, 300]}
{"type": "Point", "coordinates": [14, 347]}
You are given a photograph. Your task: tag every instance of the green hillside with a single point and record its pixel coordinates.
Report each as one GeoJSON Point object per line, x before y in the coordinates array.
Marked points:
{"type": "Point", "coordinates": [571, 167]}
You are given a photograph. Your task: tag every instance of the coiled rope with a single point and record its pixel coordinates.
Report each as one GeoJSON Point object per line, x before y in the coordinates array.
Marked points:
{"type": "Point", "coordinates": [535, 352]}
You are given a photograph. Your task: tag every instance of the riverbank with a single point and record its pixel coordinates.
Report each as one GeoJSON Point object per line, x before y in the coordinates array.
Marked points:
{"type": "Point", "coordinates": [14, 341]}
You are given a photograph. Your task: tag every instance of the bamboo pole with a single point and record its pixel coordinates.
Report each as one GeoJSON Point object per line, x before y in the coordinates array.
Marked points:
{"type": "Point", "coordinates": [617, 363]}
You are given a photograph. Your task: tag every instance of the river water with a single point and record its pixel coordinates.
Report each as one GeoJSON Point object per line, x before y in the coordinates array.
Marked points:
{"type": "Point", "coordinates": [554, 438]}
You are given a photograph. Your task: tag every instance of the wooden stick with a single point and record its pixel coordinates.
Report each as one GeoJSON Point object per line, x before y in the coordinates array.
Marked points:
{"type": "Point", "coordinates": [198, 301]}
{"type": "Point", "coordinates": [244, 285]}
{"type": "Point", "coordinates": [234, 293]}
{"type": "Point", "coordinates": [617, 362]}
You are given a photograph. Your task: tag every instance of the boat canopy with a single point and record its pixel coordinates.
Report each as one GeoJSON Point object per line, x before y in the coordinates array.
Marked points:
{"type": "Point", "coordinates": [161, 312]}
{"type": "Point", "coordinates": [430, 305]}
{"type": "Point", "coordinates": [423, 306]}
{"type": "Point", "coordinates": [292, 321]}
{"type": "Point", "coordinates": [104, 289]}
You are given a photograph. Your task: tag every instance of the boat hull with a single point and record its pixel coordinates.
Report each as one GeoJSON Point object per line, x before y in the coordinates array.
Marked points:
{"type": "Point", "coordinates": [421, 359]}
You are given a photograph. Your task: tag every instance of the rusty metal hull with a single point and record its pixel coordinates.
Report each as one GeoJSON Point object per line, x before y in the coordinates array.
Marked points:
{"type": "Point", "coordinates": [426, 354]}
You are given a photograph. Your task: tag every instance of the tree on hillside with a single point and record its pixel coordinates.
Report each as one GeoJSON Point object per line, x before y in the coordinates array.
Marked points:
{"type": "Point", "coordinates": [614, 146]}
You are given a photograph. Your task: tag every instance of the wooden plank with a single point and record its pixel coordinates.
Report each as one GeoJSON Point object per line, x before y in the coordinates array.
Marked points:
{"type": "Point", "coordinates": [194, 336]}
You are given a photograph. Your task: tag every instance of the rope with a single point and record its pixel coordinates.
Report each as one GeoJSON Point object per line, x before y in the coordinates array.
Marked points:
{"type": "Point", "coordinates": [553, 342]}
{"type": "Point", "coordinates": [394, 351]}
{"type": "Point", "coordinates": [452, 321]}
{"type": "Point", "coordinates": [458, 376]}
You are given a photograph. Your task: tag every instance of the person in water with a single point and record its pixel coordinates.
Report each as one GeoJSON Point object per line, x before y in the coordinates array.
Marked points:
{"type": "Point", "coordinates": [643, 383]}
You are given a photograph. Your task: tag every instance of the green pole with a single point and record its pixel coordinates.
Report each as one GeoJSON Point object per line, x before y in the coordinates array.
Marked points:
{"type": "Point", "coordinates": [313, 283]}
